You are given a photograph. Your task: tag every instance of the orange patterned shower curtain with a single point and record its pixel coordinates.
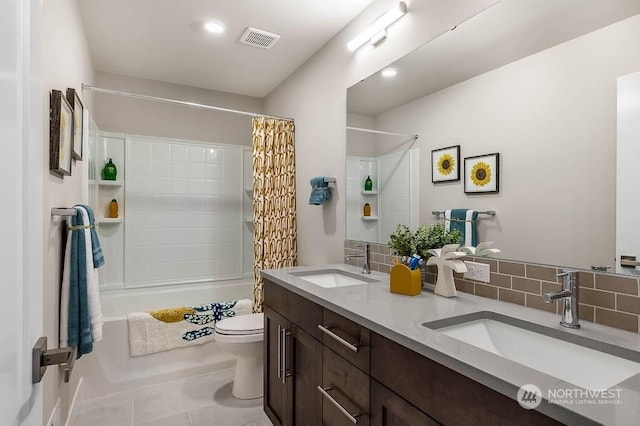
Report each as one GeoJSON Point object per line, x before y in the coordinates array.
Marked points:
{"type": "Point", "coordinates": [274, 199]}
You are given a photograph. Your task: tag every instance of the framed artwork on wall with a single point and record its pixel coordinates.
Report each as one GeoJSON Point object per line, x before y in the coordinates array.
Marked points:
{"type": "Point", "coordinates": [60, 134]}
{"type": "Point", "coordinates": [445, 164]}
{"type": "Point", "coordinates": [78, 122]}
{"type": "Point", "coordinates": [482, 174]}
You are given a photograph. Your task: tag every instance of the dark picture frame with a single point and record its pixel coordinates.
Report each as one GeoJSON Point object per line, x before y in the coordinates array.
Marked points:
{"type": "Point", "coordinates": [445, 164]}
{"type": "Point", "coordinates": [78, 122]}
{"type": "Point", "coordinates": [482, 174]}
{"type": "Point", "coordinates": [60, 134]}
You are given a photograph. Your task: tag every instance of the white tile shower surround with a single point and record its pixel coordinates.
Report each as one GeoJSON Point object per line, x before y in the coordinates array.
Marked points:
{"type": "Point", "coordinates": [203, 400]}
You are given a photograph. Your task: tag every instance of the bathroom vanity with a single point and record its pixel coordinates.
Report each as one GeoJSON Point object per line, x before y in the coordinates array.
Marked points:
{"type": "Point", "coordinates": [357, 354]}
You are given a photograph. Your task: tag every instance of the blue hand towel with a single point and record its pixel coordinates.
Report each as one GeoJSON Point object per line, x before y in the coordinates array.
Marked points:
{"type": "Point", "coordinates": [79, 323]}
{"type": "Point", "coordinates": [463, 220]}
{"type": "Point", "coordinates": [98, 256]}
{"type": "Point", "coordinates": [319, 191]}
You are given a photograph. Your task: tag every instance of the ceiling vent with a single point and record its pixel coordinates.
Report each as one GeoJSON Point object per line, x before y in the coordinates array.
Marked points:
{"type": "Point", "coordinates": [259, 38]}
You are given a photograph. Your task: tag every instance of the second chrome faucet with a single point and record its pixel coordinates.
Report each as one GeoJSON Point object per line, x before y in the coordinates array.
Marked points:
{"type": "Point", "coordinates": [365, 256]}
{"type": "Point", "coordinates": [569, 297]}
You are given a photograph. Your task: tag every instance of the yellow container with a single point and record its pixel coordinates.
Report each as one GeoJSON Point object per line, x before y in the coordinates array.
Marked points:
{"type": "Point", "coordinates": [405, 281]}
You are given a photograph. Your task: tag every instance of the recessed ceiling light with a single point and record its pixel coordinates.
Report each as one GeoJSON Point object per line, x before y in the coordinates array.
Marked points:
{"type": "Point", "coordinates": [389, 72]}
{"type": "Point", "coordinates": [214, 27]}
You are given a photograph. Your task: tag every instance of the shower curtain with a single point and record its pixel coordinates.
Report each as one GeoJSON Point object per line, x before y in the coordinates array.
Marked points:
{"type": "Point", "coordinates": [274, 199]}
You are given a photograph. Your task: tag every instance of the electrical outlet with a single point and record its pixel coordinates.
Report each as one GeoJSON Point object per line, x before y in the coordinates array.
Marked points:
{"type": "Point", "coordinates": [477, 272]}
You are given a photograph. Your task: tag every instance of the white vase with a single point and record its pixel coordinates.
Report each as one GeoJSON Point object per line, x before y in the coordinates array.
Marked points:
{"type": "Point", "coordinates": [445, 284]}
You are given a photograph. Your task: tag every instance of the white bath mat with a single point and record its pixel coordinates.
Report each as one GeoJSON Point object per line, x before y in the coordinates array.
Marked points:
{"type": "Point", "coordinates": [166, 329]}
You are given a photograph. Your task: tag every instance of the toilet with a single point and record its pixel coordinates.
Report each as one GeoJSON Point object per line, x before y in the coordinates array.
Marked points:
{"type": "Point", "coordinates": [244, 334]}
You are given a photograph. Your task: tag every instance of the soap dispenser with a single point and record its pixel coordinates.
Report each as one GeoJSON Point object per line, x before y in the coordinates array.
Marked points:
{"type": "Point", "coordinates": [110, 172]}
{"type": "Point", "coordinates": [368, 184]}
{"type": "Point", "coordinates": [113, 209]}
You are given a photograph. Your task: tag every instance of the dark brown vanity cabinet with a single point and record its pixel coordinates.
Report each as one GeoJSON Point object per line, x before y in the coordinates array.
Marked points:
{"type": "Point", "coordinates": [316, 363]}
{"type": "Point", "coordinates": [323, 369]}
{"type": "Point", "coordinates": [292, 371]}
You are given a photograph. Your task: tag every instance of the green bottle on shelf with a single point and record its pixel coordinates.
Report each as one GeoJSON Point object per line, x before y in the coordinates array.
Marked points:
{"type": "Point", "coordinates": [110, 172]}
{"type": "Point", "coordinates": [368, 184]}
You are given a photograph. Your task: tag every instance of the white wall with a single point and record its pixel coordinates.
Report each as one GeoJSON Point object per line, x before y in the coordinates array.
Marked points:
{"type": "Point", "coordinates": [315, 95]}
{"type": "Point", "coordinates": [552, 118]}
{"type": "Point", "coordinates": [140, 117]}
{"type": "Point", "coordinates": [65, 63]}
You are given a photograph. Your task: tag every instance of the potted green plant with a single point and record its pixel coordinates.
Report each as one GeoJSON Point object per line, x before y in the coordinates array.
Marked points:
{"type": "Point", "coordinates": [401, 241]}
{"type": "Point", "coordinates": [434, 236]}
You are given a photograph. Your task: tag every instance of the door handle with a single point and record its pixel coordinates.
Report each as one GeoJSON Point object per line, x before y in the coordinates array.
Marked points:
{"type": "Point", "coordinates": [279, 351]}
{"type": "Point", "coordinates": [284, 333]}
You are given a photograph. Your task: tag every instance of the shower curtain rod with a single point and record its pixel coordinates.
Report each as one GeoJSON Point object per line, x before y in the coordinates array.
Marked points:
{"type": "Point", "coordinates": [359, 129]}
{"type": "Point", "coordinates": [177, 102]}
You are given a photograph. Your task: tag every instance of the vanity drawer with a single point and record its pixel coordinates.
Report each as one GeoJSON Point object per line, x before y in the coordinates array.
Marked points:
{"type": "Point", "coordinates": [344, 391]}
{"type": "Point", "coordinates": [300, 311]}
{"type": "Point", "coordinates": [352, 341]}
{"type": "Point", "coordinates": [445, 395]}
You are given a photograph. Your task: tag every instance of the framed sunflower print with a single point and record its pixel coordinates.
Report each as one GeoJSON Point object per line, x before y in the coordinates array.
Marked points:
{"type": "Point", "coordinates": [482, 174]}
{"type": "Point", "coordinates": [445, 164]}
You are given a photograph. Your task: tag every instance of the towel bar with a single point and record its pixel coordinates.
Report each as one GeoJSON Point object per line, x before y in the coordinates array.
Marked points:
{"type": "Point", "coordinates": [43, 357]}
{"type": "Point", "coordinates": [60, 211]}
{"type": "Point", "coordinates": [488, 213]}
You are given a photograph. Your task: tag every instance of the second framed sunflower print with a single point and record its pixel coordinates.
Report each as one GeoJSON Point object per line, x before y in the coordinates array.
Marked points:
{"type": "Point", "coordinates": [445, 164]}
{"type": "Point", "coordinates": [482, 174]}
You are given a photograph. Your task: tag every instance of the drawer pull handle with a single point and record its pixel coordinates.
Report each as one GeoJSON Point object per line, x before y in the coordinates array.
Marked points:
{"type": "Point", "coordinates": [328, 332]}
{"type": "Point", "coordinates": [352, 417]}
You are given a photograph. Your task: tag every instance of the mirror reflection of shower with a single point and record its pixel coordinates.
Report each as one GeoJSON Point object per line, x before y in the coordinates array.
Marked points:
{"type": "Point", "coordinates": [390, 161]}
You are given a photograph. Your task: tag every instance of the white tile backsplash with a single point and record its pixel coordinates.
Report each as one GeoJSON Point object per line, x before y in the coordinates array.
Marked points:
{"type": "Point", "coordinates": [140, 149]}
{"type": "Point", "coordinates": [160, 168]}
{"type": "Point", "coordinates": [180, 169]}
{"type": "Point", "coordinates": [197, 154]}
{"type": "Point", "coordinates": [185, 212]}
{"type": "Point", "coordinates": [161, 151]}
{"type": "Point", "coordinates": [180, 152]}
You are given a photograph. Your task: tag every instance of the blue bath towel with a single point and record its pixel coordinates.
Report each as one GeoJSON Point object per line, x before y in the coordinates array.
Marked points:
{"type": "Point", "coordinates": [463, 220]}
{"type": "Point", "coordinates": [98, 257]}
{"type": "Point", "coordinates": [79, 323]}
{"type": "Point", "coordinates": [320, 191]}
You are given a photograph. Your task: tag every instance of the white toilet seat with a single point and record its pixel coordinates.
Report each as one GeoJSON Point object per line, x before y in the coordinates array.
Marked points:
{"type": "Point", "coordinates": [240, 329]}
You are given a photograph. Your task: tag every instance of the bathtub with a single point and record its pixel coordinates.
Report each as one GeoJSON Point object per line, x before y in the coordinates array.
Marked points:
{"type": "Point", "coordinates": [110, 368]}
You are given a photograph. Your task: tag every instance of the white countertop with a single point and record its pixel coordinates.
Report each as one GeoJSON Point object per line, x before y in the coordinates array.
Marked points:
{"type": "Point", "coordinates": [400, 319]}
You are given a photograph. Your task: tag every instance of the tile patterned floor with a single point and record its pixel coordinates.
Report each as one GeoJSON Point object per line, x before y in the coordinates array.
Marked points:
{"type": "Point", "coordinates": [196, 401]}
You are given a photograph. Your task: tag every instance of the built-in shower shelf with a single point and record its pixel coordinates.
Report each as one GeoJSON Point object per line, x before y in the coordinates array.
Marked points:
{"type": "Point", "coordinates": [369, 192]}
{"type": "Point", "coordinates": [248, 190]}
{"type": "Point", "coordinates": [369, 217]}
{"type": "Point", "coordinates": [109, 220]}
{"type": "Point", "coordinates": [114, 183]}
{"type": "Point", "coordinates": [248, 219]}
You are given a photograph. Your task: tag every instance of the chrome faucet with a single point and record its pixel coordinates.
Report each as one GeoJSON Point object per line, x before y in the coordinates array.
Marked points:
{"type": "Point", "coordinates": [365, 255]}
{"type": "Point", "coordinates": [569, 297]}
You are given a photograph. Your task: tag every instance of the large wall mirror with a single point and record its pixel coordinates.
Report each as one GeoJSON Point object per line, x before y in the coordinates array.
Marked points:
{"type": "Point", "coordinates": [535, 81]}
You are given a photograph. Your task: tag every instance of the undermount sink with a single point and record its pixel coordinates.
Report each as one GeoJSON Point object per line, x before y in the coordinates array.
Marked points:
{"type": "Point", "coordinates": [332, 278]}
{"type": "Point", "coordinates": [583, 362]}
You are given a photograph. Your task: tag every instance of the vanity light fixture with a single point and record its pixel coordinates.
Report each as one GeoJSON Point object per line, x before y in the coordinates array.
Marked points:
{"type": "Point", "coordinates": [377, 31]}
{"type": "Point", "coordinates": [214, 27]}
{"type": "Point", "coordinates": [389, 72]}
